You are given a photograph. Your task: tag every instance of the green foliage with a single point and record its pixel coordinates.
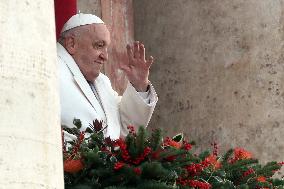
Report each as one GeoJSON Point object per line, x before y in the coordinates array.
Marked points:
{"type": "Point", "coordinates": [156, 139]}
{"type": "Point", "coordinates": [146, 161]}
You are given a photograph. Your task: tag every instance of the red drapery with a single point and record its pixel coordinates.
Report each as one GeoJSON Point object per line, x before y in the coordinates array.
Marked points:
{"type": "Point", "coordinates": [64, 9]}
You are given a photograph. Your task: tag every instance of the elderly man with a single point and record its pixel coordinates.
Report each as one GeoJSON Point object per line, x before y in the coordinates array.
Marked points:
{"type": "Point", "coordinates": [86, 93]}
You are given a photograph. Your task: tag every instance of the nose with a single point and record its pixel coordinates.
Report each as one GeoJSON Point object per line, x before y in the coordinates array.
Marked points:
{"type": "Point", "coordinates": [104, 55]}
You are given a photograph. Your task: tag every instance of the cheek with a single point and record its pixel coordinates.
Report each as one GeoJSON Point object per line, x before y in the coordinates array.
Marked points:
{"type": "Point", "coordinates": [94, 53]}
{"type": "Point", "coordinates": [90, 56]}
{"type": "Point", "coordinates": [85, 58]}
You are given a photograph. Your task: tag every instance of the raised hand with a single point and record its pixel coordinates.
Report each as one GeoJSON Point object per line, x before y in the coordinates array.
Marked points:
{"type": "Point", "coordinates": [137, 67]}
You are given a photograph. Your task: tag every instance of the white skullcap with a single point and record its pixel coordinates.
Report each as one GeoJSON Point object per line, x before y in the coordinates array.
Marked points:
{"type": "Point", "coordinates": [81, 19]}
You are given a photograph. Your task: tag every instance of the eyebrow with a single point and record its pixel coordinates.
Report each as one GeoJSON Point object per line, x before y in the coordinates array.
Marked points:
{"type": "Point", "coordinates": [100, 41]}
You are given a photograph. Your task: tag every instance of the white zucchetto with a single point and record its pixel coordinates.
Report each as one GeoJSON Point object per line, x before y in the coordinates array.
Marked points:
{"type": "Point", "coordinates": [81, 19]}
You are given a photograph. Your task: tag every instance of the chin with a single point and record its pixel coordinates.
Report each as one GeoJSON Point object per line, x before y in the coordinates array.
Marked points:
{"type": "Point", "coordinates": [94, 76]}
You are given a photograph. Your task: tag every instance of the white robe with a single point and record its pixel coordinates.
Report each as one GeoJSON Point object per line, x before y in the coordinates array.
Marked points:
{"type": "Point", "coordinates": [79, 101]}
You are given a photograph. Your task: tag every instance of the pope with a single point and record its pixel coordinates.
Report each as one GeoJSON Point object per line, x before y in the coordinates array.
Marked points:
{"type": "Point", "coordinates": [86, 93]}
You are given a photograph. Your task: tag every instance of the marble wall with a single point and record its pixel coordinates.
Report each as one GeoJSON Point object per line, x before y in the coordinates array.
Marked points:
{"type": "Point", "coordinates": [30, 133]}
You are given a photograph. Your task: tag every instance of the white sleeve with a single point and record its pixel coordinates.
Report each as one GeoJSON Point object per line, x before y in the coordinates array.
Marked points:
{"type": "Point", "coordinates": [136, 110]}
{"type": "Point", "coordinates": [145, 96]}
{"type": "Point", "coordinates": [149, 96]}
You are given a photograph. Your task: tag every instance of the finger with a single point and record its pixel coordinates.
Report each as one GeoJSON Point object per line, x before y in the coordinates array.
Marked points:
{"type": "Point", "coordinates": [150, 61]}
{"type": "Point", "coordinates": [136, 49]}
{"type": "Point", "coordinates": [142, 51]}
{"type": "Point", "coordinates": [129, 52]}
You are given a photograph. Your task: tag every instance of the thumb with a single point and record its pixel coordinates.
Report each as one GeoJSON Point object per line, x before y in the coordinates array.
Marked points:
{"type": "Point", "coordinates": [150, 61]}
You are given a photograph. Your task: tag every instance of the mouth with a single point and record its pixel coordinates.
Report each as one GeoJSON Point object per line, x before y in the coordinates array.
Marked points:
{"type": "Point", "coordinates": [97, 62]}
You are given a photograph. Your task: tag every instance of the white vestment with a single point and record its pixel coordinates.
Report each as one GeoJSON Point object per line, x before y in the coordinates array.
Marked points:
{"type": "Point", "coordinates": [78, 100]}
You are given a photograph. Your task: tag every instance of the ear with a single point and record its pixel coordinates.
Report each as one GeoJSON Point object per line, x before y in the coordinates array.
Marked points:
{"type": "Point", "coordinates": [70, 44]}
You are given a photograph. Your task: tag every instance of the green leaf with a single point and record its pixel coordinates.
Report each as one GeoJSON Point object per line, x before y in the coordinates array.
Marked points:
{"type": "Point", "coordinates": [204, 154]}
{"type": "Point", "coordinates": [178, 137]}
{"type": "Point", "coordinates": [218, 179]}
{"type": "Point", "coordinates": [89, 130]}
{"type": "Point", "coordinates": [77, 123]}
{"type": "Point", "coordinates": [113, 159]}
{"type": "Point", "coordinates": [141, 140]}
{"type": "Point", "coordinates": [156, 139]}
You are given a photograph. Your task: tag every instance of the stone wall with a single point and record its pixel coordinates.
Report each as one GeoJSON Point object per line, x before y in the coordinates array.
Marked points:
{"type": "Point", "coordinates": [90, 6]}
{"type": "Point", "coordinates": [30, 133]}
{"type": "Point", "coordinates": [218, 70]}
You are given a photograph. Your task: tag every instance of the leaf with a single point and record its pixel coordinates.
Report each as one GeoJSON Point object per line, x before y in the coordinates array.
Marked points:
{"type": "Point", "coordinates": [141, 140]}
{"type": "Point", "coordinates": [77, 123]}
{"type": "Point", "coordinates": [221, 173]}
{"type": "Point", "coordinates": [178, 137]}
{"type": "Point", "coordinates": [89, 130]}
{"type": "Point", "coordinates": [156, 139]}
{"type": "Point", "coordinates": [113, 159]}
{"type": "Point", "coordinates": [218, 179]}
{"type": "Point", "coordinates": [204, 154]}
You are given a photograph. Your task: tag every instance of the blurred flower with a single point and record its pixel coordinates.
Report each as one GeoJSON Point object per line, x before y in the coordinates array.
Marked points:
{"type": "Point", "coordinates": [73, 165]}
{"type": "Point", "coordinates": [212, 160]}
{"type": "Point", "coordinates": [261, 179]}
{"type": "Point", "coordinates": [118, 165]}
{"type": "Point", "coordinates": [241, 153]}
{"type": "Point", "coordinates": [170, 142]}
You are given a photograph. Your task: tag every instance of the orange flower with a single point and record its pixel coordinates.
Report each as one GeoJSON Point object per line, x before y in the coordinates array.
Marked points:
{"type": "Point", "coordinates": [175, 144]}
{"type": "Point", "coordinates": [261, 179]}
{"type": "Point", "coordinates": [172, 143]}
{"type": "Point", "coordinates": [212, 160]}
{"type": "Point", "coordinates": [73, 165]}
{"type": "Point", "coordinates": [241, 153]}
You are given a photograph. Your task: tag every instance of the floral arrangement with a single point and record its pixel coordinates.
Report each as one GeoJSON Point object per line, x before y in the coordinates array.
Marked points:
{"type": "Point", "coordinates": [149, 161]}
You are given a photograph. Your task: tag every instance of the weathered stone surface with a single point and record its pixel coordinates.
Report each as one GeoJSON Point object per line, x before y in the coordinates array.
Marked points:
{"type": "Point", "coordinates": [30, 134]}
{"type": "Point", "coordinates": [118, 15]}
{"type": "Point", "coordinates": [218, 70]}
{"type": "Point", "coordinates": [90, 6]}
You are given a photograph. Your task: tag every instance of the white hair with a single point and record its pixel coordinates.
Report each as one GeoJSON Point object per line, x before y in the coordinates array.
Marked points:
{"type": "Point", "coordinates": [74, 32]}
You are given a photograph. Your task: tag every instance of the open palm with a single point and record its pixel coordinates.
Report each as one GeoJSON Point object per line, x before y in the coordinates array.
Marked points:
{"type": "Point", "coordinates": [137, 67]}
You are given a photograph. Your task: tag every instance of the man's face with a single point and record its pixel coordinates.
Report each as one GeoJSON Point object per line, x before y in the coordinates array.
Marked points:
{"type": "Point", "coordinates": [90, 51]}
